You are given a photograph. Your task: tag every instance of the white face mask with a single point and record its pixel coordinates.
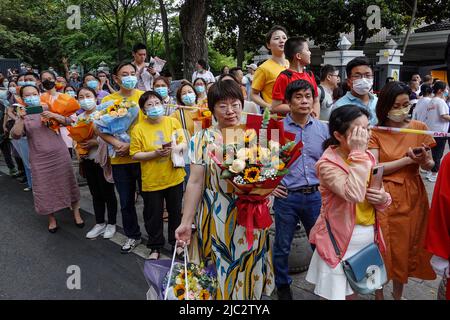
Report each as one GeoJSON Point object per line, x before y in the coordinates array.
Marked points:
{"type": "Point", "coordinates": [362, 86]}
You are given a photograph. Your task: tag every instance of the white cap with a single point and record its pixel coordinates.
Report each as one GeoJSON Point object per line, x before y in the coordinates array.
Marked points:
{"type": "Point", "coordinates": [252, 66]}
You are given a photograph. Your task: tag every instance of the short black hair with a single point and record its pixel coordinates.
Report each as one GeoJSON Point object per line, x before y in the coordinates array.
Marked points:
{"type": "Point", "coordinates": [439, 85]}
{"type": "Point", "coordinates": [233, 71]}
{"type": "Point", "coordinates": [386, 99]}
{"type": "Point", "coordinates": [88, 89]}
{"type": "Point", "coordinates": [297, 85]}
{"type": "Point", "coordinates": [293, 46]}
{"type": "Point", "coordinates": [227, 75]}
{"type": "Point", "coordinates": [425, 90]}
{"type": "Point", "coordinates": [223, 90]}
{"type": "Point", "coordinates": [272, 31]}
{"type": "Point", "coordinates": [146, 95]}
{"type": "Point", "coordinates": [139, 46]}
{"type": "Point", "coordinates": [356, 62]}
{"type": "Point", "coordinates": [121, 65]}
{"type": "Point", "coordinates": [326, 70]}
{"type": "Point", "coordinates": [31, 73]}
{"type": "Point", "coordinates": [203, 63]}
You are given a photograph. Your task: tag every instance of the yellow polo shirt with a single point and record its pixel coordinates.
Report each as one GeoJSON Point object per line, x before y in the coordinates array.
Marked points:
{"type": "Point", "coordinates": [135, 98]}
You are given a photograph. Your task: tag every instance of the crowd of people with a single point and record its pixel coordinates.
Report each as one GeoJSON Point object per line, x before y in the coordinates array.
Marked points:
{"type": "Point", "coordinates": [326, 188]}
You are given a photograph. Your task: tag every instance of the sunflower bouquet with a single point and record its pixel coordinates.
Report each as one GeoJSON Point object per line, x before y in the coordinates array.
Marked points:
{"type": "Point", "coordinates": [115, 118]}
{"type": "Point", "coordinates": [255, 170]}
{"type": "Point", "coordinates": [200, 283]}
{"type": "Point", "coordinates": [81, 130]}
{"type": "Point", "coordinates": [205, 117]}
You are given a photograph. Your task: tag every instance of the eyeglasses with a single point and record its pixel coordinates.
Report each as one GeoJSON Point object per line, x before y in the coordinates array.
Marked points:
{"type": "Point", "coordinates": [360, 76]}
{"type": "Point", "coordinates": [224, 108]}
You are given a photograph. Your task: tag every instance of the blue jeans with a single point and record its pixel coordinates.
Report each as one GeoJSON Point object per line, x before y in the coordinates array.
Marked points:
{"type": "Point", "coordinates": [126, 178]}
{"type": "Point", "coordinates": [288, 212]}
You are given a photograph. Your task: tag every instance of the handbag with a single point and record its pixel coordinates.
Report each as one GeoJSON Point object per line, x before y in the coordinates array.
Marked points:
{"type": "Point", "coordinates": [177, 158]}
{"type": "Point", "coordinates": [365, 270]}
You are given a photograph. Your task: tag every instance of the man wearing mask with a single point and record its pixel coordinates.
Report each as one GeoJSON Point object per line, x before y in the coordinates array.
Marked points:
{"type": "Point", "coordinates": [360, 81]}
{"type": "Point", "coordinates": [145, 72]}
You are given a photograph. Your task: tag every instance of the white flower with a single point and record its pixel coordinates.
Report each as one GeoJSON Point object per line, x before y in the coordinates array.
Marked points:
{"type": "Point", "coordinates": [242, 154]}
{"type": "Point", "coordinates": [237, 166]}
{"type": "Point", "coordinates": [274, 146]}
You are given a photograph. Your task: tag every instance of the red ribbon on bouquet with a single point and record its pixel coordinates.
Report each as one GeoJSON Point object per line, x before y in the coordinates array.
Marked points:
{"type": "Point", "coordinates": [253, 212]}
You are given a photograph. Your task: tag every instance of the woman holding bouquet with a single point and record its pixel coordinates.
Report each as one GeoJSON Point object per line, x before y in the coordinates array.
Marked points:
{"type": "Point", "coordinates": [242, 273]}
{"type": "Point", "coordinates": [102, 191]}
{"type": "Point", "coordinates": [152, 142]}
{"type": "Point", "coordinates": [54, 184]}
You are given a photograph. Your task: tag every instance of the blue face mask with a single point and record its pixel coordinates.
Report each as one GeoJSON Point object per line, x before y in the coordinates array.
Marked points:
{"type": "Point", "coordinates": [71, 93]}
{"type": "Point", "coordinates": [129, 82]}
{"type": "Point", "coordinates": [30, 83]}
{"type": "Point", "coordinates": [21, 83]}
{"type": "Point", "coordinates": [155, 112]}
{"type": "Point", "coordinates": [162, 91]}
{"type": "Point", "coordinates": [88, 104]}
{"type": "Point", "coordinates": [200, 89]}
{"type": "Point", "coordinates": [446, 94]}
{"type": "Point", "coordinates": [189, 99]}
{"type": "Point", "coordinates": [32, 101]}
{"type": "Point", "coordinates": [93, 84]}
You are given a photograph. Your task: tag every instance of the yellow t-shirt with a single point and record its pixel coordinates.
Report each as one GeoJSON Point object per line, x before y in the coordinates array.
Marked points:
{"type": "Point", "coordinates": [365, 212]}
{"type": "Point", "coordinates": [265, 76]}
{"type": "Point", "coordinates": [188, 124]}
{"type": "Point", "coordinates": [135, 98]}
{"type": "Point", "coordinates": [159, 173]}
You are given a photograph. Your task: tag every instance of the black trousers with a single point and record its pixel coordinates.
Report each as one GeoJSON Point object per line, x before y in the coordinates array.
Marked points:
{"type": "Point", "coordinates": [153, 214]}
{"type": "Point", "coordinates": [5, 147]}
{"type": "Point", "coordinates": [438, 152]}
{"type": "Point", "coordinates": [103, 194]}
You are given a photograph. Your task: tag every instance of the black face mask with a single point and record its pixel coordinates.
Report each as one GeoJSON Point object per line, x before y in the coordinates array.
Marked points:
{"type": "Point", "coordinates": [48, 84]}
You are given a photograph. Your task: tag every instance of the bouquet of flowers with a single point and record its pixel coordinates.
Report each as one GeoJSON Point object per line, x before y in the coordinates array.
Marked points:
{"type": "Point", "coordinates": [205, 116]}
{"type": "Point", "coordinates": [255, 171]}
{"type": "Point", "coordinates": [200, 282]}
{"type": "Point", "coordinates": [64, 105]}
{"type": "Point", "coordinates": [80, 131]}
{"type": "Point", "coordinates": [115, 118]}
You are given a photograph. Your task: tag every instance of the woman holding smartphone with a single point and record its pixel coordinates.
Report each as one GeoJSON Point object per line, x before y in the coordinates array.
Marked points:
{"type": "Point", "coordinates": [404, 223]}
{"type": "Point", "coordinates": [54, 184]}
{"type": "Point", "coordinates": [152, 142]}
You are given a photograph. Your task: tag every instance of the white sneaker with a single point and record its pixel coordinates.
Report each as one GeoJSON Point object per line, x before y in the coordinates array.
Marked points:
{"type": "Point", "coordinates": [129, 245]}
{"type": "Point", "coordinates": [97, 230]}
{"type": "Point", "coordinates": [110, 231]}
{"type": "Point", "coordinates": [432, 177]}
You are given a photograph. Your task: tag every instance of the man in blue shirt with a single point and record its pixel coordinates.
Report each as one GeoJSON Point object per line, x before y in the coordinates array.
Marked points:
{"type": "Point", "coordinates": [297, 198]}
{"type": "Point", "coordinates": [360, 82]}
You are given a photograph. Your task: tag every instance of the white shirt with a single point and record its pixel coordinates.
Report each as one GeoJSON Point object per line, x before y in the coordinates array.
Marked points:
{"type": "Point", "coordinates": [420, 111]}
{"type": "Point", "coordinates": [327, 103]}
{"type": "Point", "coordinates": [207, 76]}
{"type": "Point", "coordinates": [145, 79]}
{"type": "Point", "coordinates": [436, 108]}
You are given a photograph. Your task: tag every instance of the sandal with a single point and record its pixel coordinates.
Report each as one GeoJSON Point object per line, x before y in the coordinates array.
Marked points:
{"type": "Point", "coordinates": [154, 254]}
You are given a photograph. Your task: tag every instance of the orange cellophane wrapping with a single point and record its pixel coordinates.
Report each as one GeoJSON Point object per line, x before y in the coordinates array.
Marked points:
{"type": "Point", "coordinates": [81, 133]}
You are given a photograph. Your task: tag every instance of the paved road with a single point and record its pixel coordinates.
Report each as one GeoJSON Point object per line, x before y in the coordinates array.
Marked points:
{"type": "Point", "coordinates": [33, 262]}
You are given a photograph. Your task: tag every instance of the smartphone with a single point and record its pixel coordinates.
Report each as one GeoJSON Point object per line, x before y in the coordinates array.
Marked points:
{"type": "Point", "coordinates": [151, 64]}
{"type": "Point", "coordinates": [34, 110]}
{"type": "Point", "coordinates": [376, 177]}
{"type": "Point", "coordinates": [167, 145]}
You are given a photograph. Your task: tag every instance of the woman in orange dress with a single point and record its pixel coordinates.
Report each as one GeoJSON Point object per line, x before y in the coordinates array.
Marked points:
{"type": "Point", "coordinates": [404, 223]}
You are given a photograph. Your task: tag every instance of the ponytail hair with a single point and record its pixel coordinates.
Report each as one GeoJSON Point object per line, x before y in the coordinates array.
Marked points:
{"type": "Point", "coordinates": [341, 119]}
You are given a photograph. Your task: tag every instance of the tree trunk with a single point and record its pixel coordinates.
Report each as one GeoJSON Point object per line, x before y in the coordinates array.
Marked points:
{"type": "Point", "coordinates": [240, 47]}
{"type": "Point", "coordinates": [193, 16]}
{"type": "Point", "coordinates": [411, 23]}
{"type": "Point", "coordinates": [165, 23]}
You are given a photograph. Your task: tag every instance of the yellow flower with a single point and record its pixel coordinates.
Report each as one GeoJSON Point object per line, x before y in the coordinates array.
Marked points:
{"type": "Point", "coordinates": [207, 113]}
{"type": "Point", "coordinates": [204, 295]}
{"type": "Point", "coordinates": [280, 166]}
{"type": "Point", "coordinates": [250, 135]}
{"type": "Point", "coordinates": [264, 154]}
{"type": "Point", "coordinates": [251, 175]}
{"type": "Point", "coordinates": [179, 291]}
